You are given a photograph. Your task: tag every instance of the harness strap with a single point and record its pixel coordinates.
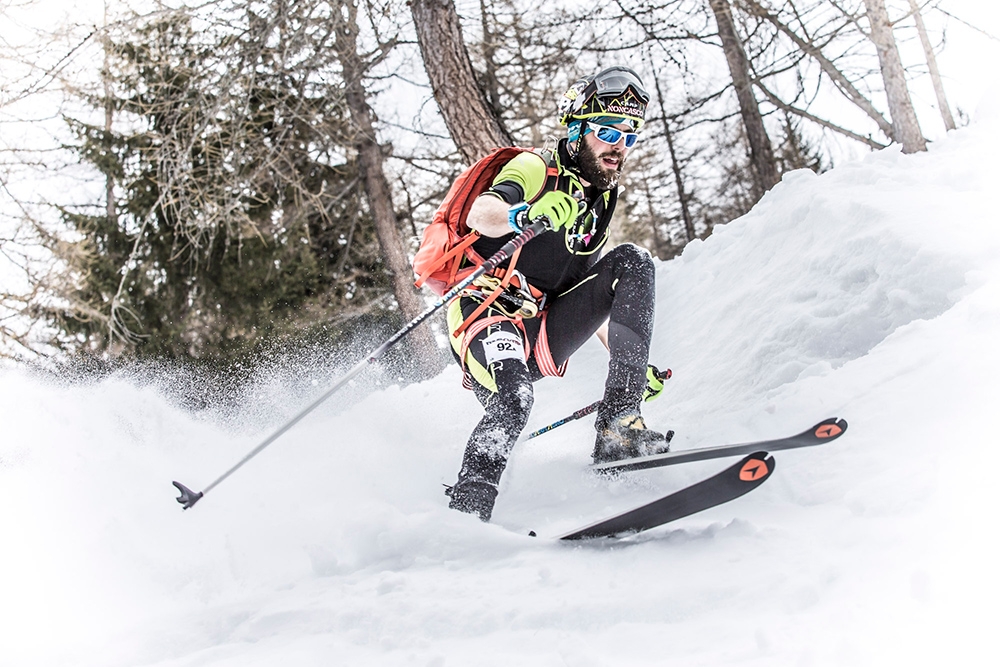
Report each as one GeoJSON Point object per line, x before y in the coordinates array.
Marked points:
{"type": "Point", "coordinates": [453, 253]}
{"type": "Point", "coordinates": [541, 351]}
{"type": "Point", "coordinates": [492, 297]}
{"type": "Point", "coordinates": [479, 325]}
{"type": "Point", "coordinates": [543, 355]}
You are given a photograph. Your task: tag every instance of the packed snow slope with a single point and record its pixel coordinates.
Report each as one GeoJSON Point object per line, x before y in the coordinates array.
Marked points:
{"type": "Point", "coordinates": [870, 293]}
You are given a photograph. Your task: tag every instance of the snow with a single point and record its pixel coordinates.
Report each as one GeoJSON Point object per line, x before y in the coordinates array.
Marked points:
{"type": "Point", "coordinates": [870, 293]}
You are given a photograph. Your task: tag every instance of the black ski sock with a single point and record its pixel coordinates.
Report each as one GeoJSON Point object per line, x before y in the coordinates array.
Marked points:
{"type": "Point", "coordinates": [626, 374]}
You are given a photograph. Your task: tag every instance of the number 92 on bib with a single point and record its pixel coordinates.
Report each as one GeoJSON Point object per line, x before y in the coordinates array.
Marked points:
{"type": "Point", "coordinates": [503, 345]}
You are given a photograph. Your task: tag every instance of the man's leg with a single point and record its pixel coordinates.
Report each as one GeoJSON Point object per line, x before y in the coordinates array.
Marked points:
{"type": "Point", "coordinates": [621, 288]}
{"type": "Point", "coordinates": [501, 382]}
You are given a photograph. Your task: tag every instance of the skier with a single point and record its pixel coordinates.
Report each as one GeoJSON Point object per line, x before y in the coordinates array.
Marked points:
{"type": "Point", "coordinates": [524, 321]}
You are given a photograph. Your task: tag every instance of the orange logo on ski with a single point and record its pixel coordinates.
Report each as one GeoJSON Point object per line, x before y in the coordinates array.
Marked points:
{"type": "Point", "coordinates": [828, 431]}
{"type": "Point", "coordinates": [753, 469]}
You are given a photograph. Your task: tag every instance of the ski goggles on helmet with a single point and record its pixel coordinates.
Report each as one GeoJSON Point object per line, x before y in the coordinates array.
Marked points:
{"type": "Point", "coordinates": [612, 135]}
{"type": "Point", "coordinates": [616, 91]}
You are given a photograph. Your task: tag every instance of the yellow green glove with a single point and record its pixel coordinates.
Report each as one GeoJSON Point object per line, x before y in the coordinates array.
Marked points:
{"type": "Point", "coordinates": [556, 207]}
{"type": "Point", "coordinates": [654, 382]}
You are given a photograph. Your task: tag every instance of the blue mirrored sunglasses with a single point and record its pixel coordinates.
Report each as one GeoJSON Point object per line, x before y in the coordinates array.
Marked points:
{"type": "Point", "coordinates": [612, 135]}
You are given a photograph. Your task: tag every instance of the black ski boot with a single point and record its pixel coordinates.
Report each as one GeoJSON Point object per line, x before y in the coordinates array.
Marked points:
{"type": "Point", "coordinates": [627, 437]}
{"type": "Point", "coordinates": [473, 497]}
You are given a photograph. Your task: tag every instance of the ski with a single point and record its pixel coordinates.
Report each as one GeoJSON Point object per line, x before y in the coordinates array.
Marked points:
{"type": "Point", "coordinates": [731, 483]}
{"type": "Point", "coordinates": [821, 433]}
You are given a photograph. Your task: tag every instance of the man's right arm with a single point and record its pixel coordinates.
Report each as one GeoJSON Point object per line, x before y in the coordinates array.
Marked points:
{"type": "Point", "coordinates": [488, 216]}
{"type": "Point", "coordinates": [521, 179]}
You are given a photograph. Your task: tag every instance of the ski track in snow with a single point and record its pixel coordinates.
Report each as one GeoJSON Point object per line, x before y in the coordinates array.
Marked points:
{"type": "Point", "coordinates": [871, 293]}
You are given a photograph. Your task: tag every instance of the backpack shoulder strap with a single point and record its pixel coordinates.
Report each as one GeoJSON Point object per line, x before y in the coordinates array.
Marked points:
{"type": "Point", "coordinates": [474, 181]}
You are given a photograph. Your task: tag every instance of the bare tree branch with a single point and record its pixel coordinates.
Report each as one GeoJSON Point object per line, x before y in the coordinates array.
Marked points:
{"type": "Point", "coordinates": [776, 101]}
{"type": "Point", "coordinates": [840, 81]}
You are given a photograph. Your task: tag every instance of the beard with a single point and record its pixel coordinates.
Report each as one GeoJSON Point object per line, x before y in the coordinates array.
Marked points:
{"type": "Point", "coordinates": [592, 170]}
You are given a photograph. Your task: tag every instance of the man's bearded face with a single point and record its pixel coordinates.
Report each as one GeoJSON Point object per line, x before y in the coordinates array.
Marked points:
{"type": "Point", "coordinates": [600, 163]}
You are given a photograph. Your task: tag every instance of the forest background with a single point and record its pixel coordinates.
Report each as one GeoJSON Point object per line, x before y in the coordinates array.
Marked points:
{"type": "Point", "coordinates": [222, 186]}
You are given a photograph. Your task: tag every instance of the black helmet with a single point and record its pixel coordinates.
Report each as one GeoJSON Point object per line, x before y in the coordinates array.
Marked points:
{"type": "Point", "coordinates": [616, 91]}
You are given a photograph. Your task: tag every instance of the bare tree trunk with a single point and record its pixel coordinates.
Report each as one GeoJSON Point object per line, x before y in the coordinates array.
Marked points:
{"type": "Point", "coordinates": [682, 195]}
{"type": "Point", "coordinates": [949, 120]}
{"type": "Point", "coordinates": [118, 331]}
{"type": "Point", "coordinates": [761, 152]}
{"type": "Point", "coordinates": [110, 206]}
{"type": "Point", "coordinates": [905, 128]}
{"type": "Point", "coordinates": [660, 244]}
{"type": "Point", "coordinates": [490, 83]}
{"type": "Point", "coordinates": [379, 194]}
{"type": "Point", "coordinates": [474, 126]}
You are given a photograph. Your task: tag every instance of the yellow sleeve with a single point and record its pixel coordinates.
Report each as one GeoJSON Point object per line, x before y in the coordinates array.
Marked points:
{"type": "Point", "coordinates": [526, 169]}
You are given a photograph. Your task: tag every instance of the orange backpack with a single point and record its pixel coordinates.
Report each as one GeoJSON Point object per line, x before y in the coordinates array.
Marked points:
{"type": "Point", "coordinates": [446, 243]}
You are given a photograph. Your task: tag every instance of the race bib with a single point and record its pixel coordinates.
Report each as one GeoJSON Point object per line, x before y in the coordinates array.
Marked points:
{"type": "Point", "coordinates": [503, 345]}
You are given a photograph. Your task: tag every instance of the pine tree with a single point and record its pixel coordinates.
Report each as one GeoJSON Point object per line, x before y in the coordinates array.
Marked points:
{"type": "Point", "coordinates": [237, 218]}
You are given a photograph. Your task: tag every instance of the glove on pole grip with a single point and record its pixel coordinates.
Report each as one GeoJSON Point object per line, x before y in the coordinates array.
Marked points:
{"type": "Point", "coordinates": [556, 207]}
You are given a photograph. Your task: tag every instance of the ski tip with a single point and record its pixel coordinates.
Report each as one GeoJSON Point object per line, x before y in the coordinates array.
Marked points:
{"type": "Point", "coordinates": [830, 428]}
{"type": "Point", "coordinates": [188, 497]}
{"type": "Point", "coordinates": [756, 467]}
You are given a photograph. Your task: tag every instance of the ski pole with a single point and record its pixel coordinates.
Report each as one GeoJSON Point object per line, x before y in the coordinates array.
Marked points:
{"type": "Point", "coordinates": [188, 497]}
{"type": "Point", "coordinates": [579, 414]}
{"type": "Point", "coordinates": [590, 409]}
